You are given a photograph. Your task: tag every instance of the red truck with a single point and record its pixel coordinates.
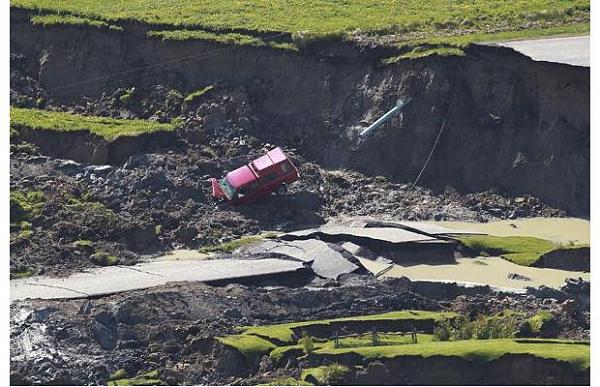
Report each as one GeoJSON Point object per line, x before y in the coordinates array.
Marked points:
{"type": "Point", "coordinates": [266, 174]}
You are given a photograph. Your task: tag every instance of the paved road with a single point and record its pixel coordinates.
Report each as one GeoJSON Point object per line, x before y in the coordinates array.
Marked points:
{"type": "Point", "coordinates": [385, 234]}
{"type": "Point", "coordinates": [115, 279]}
{"type": "Point", "coordinates": [571, 50]}
{"type": "Point", "coordinates": [325, 261]}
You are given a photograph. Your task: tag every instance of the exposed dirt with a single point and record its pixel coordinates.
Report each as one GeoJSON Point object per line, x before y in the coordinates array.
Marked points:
{"type": "Point", "coordinates": [516, 145]}
{"type": "Point", "coordinates": [161, 327]}
{"type": "Point", "coordinates": [512, 124]}
{"type": "Point", "coordinates": [573, 258]}
{"type": "Point", "coordinates": [160, 201]}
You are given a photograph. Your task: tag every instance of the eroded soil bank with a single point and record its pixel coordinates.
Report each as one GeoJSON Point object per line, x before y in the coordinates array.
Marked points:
{"type": "Point", "coordinates": [516, 144]}
{"type": "Point", "coordinates": [172, 328]}
{"type": "Point", "coordinates": [512, 124]}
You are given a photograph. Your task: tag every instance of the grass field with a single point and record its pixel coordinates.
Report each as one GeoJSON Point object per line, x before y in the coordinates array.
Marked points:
{"type": "Point", "coordinates": [149, 378]}
{"type": "Point", "coordinates": [306, 20]}
{"type": "Point", "coordinates": [578, 354]}
{"type": "Point", "coordinates": [284, 333]}
{"type": "Point", "coordinates": [249, 345]}
{"type": "Point", "coordinates": [520, 250]}
{"type": "Point", "coordinates": [365, 340]}
{"type": "Point", "coordinates": [255, 342]}
{"type": "Point", "coordinates": [109, 128]}
{"type": "Point", "coordinates": [325, 375]}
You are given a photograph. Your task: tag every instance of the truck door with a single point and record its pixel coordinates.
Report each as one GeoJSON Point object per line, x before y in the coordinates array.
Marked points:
{"type": "Point", "coordinates": [248, 189]}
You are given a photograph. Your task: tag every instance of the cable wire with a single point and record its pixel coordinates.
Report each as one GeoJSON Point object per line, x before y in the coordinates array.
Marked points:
{"type": "Point", "coordinates": [435, 144]}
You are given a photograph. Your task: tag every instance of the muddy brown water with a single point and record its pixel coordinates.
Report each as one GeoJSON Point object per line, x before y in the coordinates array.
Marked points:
{"type": "Point", "coordinates": [559, 230]}
{"type": "Point", "coordinates": [492, 271]}
{"type": "Point", "coordinates": [495, 271]}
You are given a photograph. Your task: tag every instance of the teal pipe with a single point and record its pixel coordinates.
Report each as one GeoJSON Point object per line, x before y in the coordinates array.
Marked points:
{"type": "Point", "coordinates": [400, 104]}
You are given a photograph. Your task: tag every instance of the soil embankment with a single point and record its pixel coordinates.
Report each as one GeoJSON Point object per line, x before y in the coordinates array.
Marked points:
{"type": "Point", "coordinates": [512, 124]}
{"type": "Point", "coordinates": [569, 258]}
{"type": "Point", "coordinates": [516, 129]}
{"type": "Point", "coordinates": [448, 370]}
{"type": "Point", "coordinates": [86, 147]}
{"type": "Point", "coordinates": [177, 323]}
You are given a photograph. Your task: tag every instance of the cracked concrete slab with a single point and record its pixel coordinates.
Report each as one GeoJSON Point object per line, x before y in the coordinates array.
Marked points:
{"type": "Point", "coordinates": [376, 268]}
{"type": "Point", "coordinates": [354, 234]}
{"type": "Point", "coordinates": [429, 228]}
{"type": "Point", "coordinates": [434, 229]}
{"type": "Point", "coordinates": [360, 252]}
{"type": "Point", "coordinates": [326, 262]}
{"type": "Point", "coordinates": [114, 279]}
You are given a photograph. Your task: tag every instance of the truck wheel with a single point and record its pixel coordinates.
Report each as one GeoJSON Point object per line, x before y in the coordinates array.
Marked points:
{"type": "Point", "coordinates": [282, 190]}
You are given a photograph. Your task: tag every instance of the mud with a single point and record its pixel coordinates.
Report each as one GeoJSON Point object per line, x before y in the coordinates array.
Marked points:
{"type": "Point", "coordinates": [492, 271]}
{"type": "Point", "coordinates": [175, 324]}
{"type": "Point", "coordinates": [516, 145]}
{"type": "Point", "coordinates": [567, 231]}
{"type": "Point", "coordinates": [524, 128]}
{"type": "Point", "coordinates": [572, 258]}
{"type": "Point", "coordinates": [506, 370]}
{"type": "Point", "coordinates": [160, 201]}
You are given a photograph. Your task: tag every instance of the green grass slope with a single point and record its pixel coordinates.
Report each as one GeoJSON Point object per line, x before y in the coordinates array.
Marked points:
{"type": "Point", "coordinates": [252, 347]}
{"type": "Point", "coordinates": [255, 341]}
{"type": "Point", "coordinates": [410, 20]}
{"type": "Point", "coordinates": [518, 249]}
{"type": "Point", "coordinates": [283, 332]}
{"type": "Point", "coordinates": [578, 354]}
{"type": "Point", "coordinates": [109, 128]}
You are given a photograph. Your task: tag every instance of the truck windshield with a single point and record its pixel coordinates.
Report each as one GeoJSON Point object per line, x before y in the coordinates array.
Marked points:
{"type": "Point", "coordinates": [227, 188]}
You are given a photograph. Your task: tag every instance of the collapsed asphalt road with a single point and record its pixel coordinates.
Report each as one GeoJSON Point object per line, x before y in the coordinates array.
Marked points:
{"type": "Point", "coordinates": [419, 251]}
{"type": "Point", "coordinates": [140, 316]}
{"type": "Point", "coordinates": [116, 279]}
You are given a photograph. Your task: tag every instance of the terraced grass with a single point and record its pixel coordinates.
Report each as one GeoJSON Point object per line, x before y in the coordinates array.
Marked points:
{"type": "Point", "coordinates": [520, 250]}
{"type": "Point", "coordinates": [255, 341]}
{"type": "Point", "coordinates": [284, 332]}
{"type": "Point", "coordinates": [149, 378]}
{"type": "Point", "coordinates": [578, 354]}
{"type": "Point", "coordinates": [252, 347]}
{"type": "Point", "coordinates": [325, 375]}
{"type": "Point", "coordinates": [358, 341]}
{"type": "Point", "coordinates": [309, 20]}
{"type": "Point", "coordinates": [109, 128]}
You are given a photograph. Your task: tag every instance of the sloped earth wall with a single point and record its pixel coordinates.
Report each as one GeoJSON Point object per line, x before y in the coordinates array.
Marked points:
{"type": "Point", "coordinates": [86, 147]}
{"type": "Point", "coordinates": [574, 258]}
{"type": "Point", "coordinates": [512, 124]}
{"type": "Point", "coordinates": [84, 341]}
{"type": "Point", "coordinates": [448, 370]}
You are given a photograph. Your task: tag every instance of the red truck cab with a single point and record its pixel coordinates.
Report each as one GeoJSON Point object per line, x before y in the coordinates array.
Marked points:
{"type": "Point", "coordinates": [260, 177]}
